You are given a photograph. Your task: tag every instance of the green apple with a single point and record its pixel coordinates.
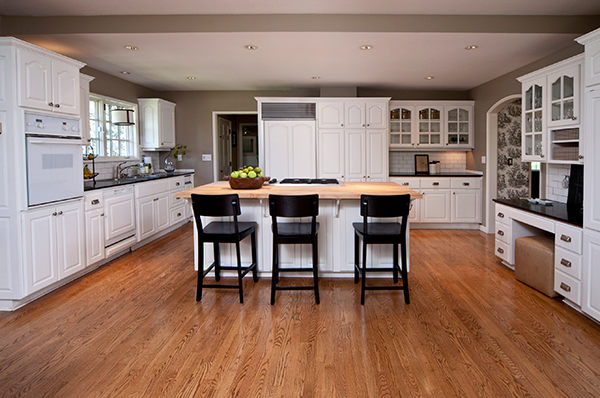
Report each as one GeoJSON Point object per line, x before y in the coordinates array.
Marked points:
{"type": "Point", "coordinates": [252, 174]}
{"type": "Point", "coordinates": [243, 175]}
{"type": "Point", "coordinates": [235, 174]}
{"type": "Point", "coordinates": [258, 170]}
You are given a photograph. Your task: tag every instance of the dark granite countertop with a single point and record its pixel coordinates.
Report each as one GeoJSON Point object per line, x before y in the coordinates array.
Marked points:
{"type": "Point", "coordinates": [89, 185]}
{"type": "Point", "coordinates": [442, 174]}
{"type": "Point", "coordinates": [557, 211]}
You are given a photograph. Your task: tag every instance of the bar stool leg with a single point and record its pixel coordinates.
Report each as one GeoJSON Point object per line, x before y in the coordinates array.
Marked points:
{"type": "Point", "coordinates": [274, 273]}
{"type": "Point", "coordinates": [315, 252]}
{"type": "Point", "coordinates": [356, 243]}
{"type": "Point", "coordinates": [217, 251]}
{"type": "Point", "coordinates": [239, 271]}
{"type": "Point", "coordinates": [395, 266]}
{"type": "Point", "coordinates": [364, 273]}
{"type": "Point", "coordinates": [200, 266]}
{"type": "Point", "coordinates": [255, 269]}
{"type": "Point", "coordinates": [404, 274]}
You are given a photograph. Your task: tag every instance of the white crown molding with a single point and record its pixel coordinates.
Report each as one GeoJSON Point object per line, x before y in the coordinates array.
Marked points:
{"type": "Point", "coordinates": [576, 60]}
{"type": "Point", "coordinates": [22, 45]}
{"type": "Point", "coordinates": [589, 37]}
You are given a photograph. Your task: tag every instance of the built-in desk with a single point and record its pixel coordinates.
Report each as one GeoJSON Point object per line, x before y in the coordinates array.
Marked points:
{"type": "Point", "coordinates": [516, 218]}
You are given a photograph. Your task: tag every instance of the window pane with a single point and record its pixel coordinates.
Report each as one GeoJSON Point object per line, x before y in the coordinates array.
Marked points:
{"type": "Point", "coordinates": [453, 115]}
{"type": "Point", "coordinates": [463, 115]}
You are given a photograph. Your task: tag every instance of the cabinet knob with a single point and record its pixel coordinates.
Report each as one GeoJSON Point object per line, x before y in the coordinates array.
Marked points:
{"type": "Point", "coordinates": [57, 105]}
{"type": "Point", "coordinates": [574, 118]}
{"type": "Point", "coordinates": [500, 232]}
{"type": "Point", "coordinates": [60, 213]}
{"type": "Point", "coordinates": [565, 287]}
{"type": "Point", "coordinates": [102, 215]}
{"type": "Point", "coordinates": [54, 214]}
{"type": "Point", "coordinates": [177, 184]}
{"type": "Point", "coordinates": [500, 215]}
{"type": "Point", "coordinates": [580, 157]}
{"type": "Point", "coordinates": [342, 124]}
{"type": "Point", "coordinates": [500, 250]}
{"type": "Point", "coordinates": [542, 155]}
{"type": "Point", "coordinates": [50, 103]}
{"type": "Point", "coordinates": [566, 263]}
{"type": "Point", "coordinates": [155, 199]}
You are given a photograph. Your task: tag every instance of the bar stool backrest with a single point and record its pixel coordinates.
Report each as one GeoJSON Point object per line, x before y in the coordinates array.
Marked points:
{"type": "Point", "coordinates": [384, 206]}
{"type": "Point", "coordinates": [294, 206]}
{"type": "Point", "coordinates": [216, 206]}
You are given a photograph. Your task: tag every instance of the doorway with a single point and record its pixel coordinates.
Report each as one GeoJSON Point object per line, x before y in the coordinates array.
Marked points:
{"type": "Point", "coordinates": [230, 149]}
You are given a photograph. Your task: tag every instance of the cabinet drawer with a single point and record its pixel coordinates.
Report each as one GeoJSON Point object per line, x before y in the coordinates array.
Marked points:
{"type": "Point", "coordinates": [173, 201]}
{"type": "Point", "coordinates": [568, 262]}
{"type": "Point", "coordinates": [94, 201]}
{"type": "Point", "coordinates": [466, 183]}
{"type": "Point", "coordinates": [412, 183]}
{"type": "Point", "coordinates": [568, 237]}
{"type": "Point", "coordinates": [502, 250]}
{"type": "Point", "coordinates": [176, 182]}
{"type": "Point", "coordinates": [502, 214]}
{"type": "Point", "coordinates": [435, 183]}
{"type": "Point", "coordinates": [503, 233]}
{"type": "Point", "coordinates": [143, 189]}
{"type": "Point", "coordinates": [177, 215]}
{"type": "Point", "coordinates": [567, 286]}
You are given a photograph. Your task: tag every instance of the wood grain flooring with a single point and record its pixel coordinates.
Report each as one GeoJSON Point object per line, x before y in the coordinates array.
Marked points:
{"type": "Point", "coordinates": [132, 328]}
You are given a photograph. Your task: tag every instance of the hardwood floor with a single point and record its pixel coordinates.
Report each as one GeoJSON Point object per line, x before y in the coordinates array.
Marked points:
{"type": "Point", "coordinates": [133, 329]}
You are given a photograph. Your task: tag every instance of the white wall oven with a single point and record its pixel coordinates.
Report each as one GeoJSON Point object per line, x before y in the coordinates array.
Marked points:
{"type": "Point", "coordinates": [54, 159]}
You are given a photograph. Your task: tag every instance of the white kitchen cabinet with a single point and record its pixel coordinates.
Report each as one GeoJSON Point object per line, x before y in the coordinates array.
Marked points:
{"type": "Point", "coordinates": [331, 154]}
{"type": "Point", "coordinates": [377, 156]}
{"type": "Point", "coordinates": [48, 84]}
{"type": "Point", "coordinates": [466, 200]}
{"type": "Point", "coordinates": [153, 215]}
{"type": "Point", "coordinates": [592, 57]}
{"type": "Point", "coordinates": [290, 149]}
{"type": "Point", "coordinates": [94, 227]}
{"type": "Point", "coordinates": [157, 124]}
{"type": "Point", "coordinates": [84, 99]}
{"type": "Point", "coordinates": [534, 141]}
{"type": "Point", "coordinates": [459, 127]}
{"type": "Point", "coordinates": [54, 247]}
{"type": "Point", "coordinates": [402, 126]}
{"type": "Point", "coordinates": [353, 114]}
{"type": "Point", "coordinates": [356, 153]}
{"type": "Point", "coordinates": [590, 303]}
{"type": "Point", "coordinates": [591, 178]}
{"type": "Point", "coordinates": [435, 206]}
{"type": "Point", "coordinates": [176, 205]}
{"type": "Point", "coordinates": [119, 210]}
{"type": "Point", "coordinates": [330, 114]}
{"type": "Point", "coordinates": [564, 97]}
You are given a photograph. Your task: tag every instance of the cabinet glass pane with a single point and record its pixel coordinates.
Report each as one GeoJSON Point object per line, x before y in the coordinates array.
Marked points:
{"type": "Point", "coordinates": [435, 114]}
{"type": "Point", "coordinates": [463, 139]}
{"type": "Point", "coordinates": [537, 97]}
{"type": "Point", "coordinates": [453, 127]}
{"type": "Point", "coordinates": [529, 99]}
{"type": "Point", "coordinates": [406, 138]}
{"type": "Point", "coordinates": [424, 114]}
{"type": "Point", "coordinates": [394, 127]}
{"type": "Point", "coordinates": [436, 139]}
{"type": "Point", "coordinates": [529, 145]}
{"type": "Point", "coordinates": [556, 90]}
{"type": "Point", "coordinates": [395, 113]}
{"type": "Point", "coordinates": [537, 139]}
{"type": "Point", "coordinates": [464, 127]}
{"type": "Point", "coordinates": [568, 109]}
{"type": "Point", "coordinates": [569, 86]}
{"type": "Point", "coordinates": [528, 122]}
{"type": "Point", "coordinates": [394, 138]}
{"type": "Point", "coordinates": [406, 127]}
{"type": "Point", "coordinates": [435, 127]}
{"type": "Point", "coordinates": [463, 115]}
{"type": "Point", "coordinates": [423, 138]}
{"type": "Point", "coordinates": [406, 114]}
{"type": "Point", "coordinates": [453, 139]}
{"type": "Point", "coordinates": [538, 121]}
{"type": "Point", "coordinates": [423, 127]}
{"type": "Point", "coordinates": [556, 111]}
{"type": "Point", "coordinates": [453, 115]}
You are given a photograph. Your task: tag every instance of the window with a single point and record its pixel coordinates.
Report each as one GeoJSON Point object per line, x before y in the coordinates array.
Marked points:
{"type": "Point", "coordinates": [107, 139]}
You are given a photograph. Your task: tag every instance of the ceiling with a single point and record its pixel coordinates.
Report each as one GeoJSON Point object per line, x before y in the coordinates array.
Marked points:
{"type": "Point", "coordinates": [299, 41]}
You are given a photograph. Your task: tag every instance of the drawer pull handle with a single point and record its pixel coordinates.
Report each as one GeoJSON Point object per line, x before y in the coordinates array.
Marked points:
{"type": "Point", "coordinates": [500, 232]}
{"type": "Point", "coordinates": [95, 202]}
{"type": "Point", "coordinates": [466, 184]}
{"type": "Point", "coordinates": [566, 263]}
{"type": "Point", "coordinates": [177, 184]}
{"type": "Point", "coordinates": [565, 287]}
{"type": "Point", "coordinates": [500, 250]}
{"type": "Point", "coordinates": [565, 238]}
{"type": "Point", "coordinates": [435, 184]}
{"type": "Point", "coordinates": [405, 184]}
{"type": "Point", "coordinates": [500, 215]}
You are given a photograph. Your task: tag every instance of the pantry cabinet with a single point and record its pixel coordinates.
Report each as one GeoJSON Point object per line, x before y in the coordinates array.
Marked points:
{"type": "Point", "coordinates": [47, 83]}
{"type": "Point", "coordinates": [352, 114]}
{"type": "Point", "coordinates": [157, 124]}
{"type": "Point", "coordinates": [54, 246]}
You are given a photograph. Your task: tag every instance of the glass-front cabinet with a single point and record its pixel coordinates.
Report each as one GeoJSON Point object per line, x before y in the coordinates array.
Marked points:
{"type": "Point", "coordinates": [563, 87]}
{"type": "Point", "coordinates": [459, 127]}
{"type": "Point", "coordinates": [401, 126]}
{"type": "Point", "coordinates": [533, 127]}
{"type": "Point", "coordinates": [429, 126]}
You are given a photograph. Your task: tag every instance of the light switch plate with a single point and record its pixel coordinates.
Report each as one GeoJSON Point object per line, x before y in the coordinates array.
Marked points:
{"type": "Point", "coordinates": [483, 160]}
{"type": "Point", "coordinates": [206, 157]}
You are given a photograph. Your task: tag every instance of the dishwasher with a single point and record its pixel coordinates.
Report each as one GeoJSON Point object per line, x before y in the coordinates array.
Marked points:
{"type": "Point", "coordinates": [119, 220]}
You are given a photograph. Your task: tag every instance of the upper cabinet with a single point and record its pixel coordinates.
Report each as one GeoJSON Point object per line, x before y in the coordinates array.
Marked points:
{"type": "Point", "coordinates": [84, 99]}
{"type": "Point", "coordinates": [551, 113]}
{"type": "Point", "coordinates": [157, 124]}
{"type": "Point", "coordinates": [48, 83]}
{"type": "Point", "coordinates": [352, 114]}
{"type": "Point", "coordinates": [591, 41]}
{"type": "Point", "coordinates": [431, 125]}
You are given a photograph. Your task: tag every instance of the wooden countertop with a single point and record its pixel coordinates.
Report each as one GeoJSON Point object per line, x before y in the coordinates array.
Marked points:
{"type": "Point", "coordinates": [350, 190]}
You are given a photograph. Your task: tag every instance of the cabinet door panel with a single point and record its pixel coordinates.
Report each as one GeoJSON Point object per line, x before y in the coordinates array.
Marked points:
{"type": "Point", "coordinates": [355, 155]}
{"type": "Point", "coordinates": [377, 156]}
{"type": "Point", "coordinates": [167, 125]}
{"type": "Point", "coordinates": [65, 88]}
{"type": "Point", "coordinates": [355, 115]}
{"type": "Point", "coordinates": [591, 275]}
{"type": "Point", "coordinates": [146, 225]}
{"type": "Point", "coordinates": [331, 153]}
{"type": "Point", "coordinates": [35, 81]}
{"type": "Point", "coordinates": [591, 174]}
{"type": "Point", "coordinates": [161, 207]}
{"type": "Point", "coordinates": [466, 206]}
{"type": "Point", "coordinates": [120, 215]}
{"type": "Point", "coordinates": [376, 114]}
{"type": "Point", "coordinates": [70, 233]}
{"type": "Point", "coordinates": [435, 206]}
{"type": "Point", "coordinates": [40, 249]}
{"type": "Point", "coordinates": [94, 236]}
{"type": "Point", "coordinates": [330, 114]}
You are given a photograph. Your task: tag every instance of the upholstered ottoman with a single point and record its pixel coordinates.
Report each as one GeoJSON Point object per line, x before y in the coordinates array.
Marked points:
{"type": "Point", "coordinates": [534, 263]}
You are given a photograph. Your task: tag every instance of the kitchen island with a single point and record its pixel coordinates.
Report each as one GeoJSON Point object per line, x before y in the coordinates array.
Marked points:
{"type": "Point", "coordinates": [338, 209]}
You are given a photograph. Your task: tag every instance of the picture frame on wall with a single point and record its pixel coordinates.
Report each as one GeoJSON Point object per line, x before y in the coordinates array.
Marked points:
{"type": "Point", "coordinates": [421, 164]}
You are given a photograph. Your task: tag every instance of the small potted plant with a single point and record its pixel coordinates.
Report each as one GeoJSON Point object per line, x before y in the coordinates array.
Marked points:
{"type": "Point", "coordinates": [176, 153]}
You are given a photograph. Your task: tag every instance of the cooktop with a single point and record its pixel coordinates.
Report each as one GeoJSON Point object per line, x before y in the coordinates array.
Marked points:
{"type": "Point", "coordinates": [309, 181]}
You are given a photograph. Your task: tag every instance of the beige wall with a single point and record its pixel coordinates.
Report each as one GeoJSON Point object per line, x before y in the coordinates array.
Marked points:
{"type": "Point", "coordinates": [111, 86]}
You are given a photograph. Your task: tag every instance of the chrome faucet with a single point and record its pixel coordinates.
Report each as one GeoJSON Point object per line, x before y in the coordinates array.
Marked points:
{"type": "Point", "coordinates": [120, 171]}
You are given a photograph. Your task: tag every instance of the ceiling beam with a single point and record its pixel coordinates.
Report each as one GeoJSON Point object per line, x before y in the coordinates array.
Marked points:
{"type": "Point", "coordinates": [18, 25]}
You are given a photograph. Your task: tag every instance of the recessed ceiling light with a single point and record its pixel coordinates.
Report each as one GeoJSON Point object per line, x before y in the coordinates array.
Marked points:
{"type": "Point", "coordinates": [429, 78]}
{"type": "Point", "coordinates": [132, 48]}
{"type": "Point", "coordinates": [366, 47]}
{"type": "Point", "coordinates": [316, 77]}
{"type": "Point", "coordinates": [125, 72]}
{"type": "Point", "coordinates": [251, 47]}
{"type": "Point", "coordinates": [471, 47]}
{"type": "Point", "coordinates": [191, 77]}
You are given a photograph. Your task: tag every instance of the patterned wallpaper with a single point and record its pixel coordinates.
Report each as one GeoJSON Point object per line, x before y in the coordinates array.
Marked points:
{"type": "Point", "coordinates": [513, 180]}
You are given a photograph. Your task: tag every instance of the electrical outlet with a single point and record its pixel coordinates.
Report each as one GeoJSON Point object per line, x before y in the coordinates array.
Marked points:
{"type": "Point", "coordinates": [510, 162]}
{"type": "Point", "coordinates": [206, 157]}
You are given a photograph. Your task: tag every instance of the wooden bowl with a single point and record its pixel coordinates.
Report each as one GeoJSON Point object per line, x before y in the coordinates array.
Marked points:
{"type": "Point", "coordinates": [247, 183]}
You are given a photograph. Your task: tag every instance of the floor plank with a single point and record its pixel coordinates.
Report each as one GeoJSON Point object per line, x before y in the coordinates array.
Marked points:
{"type": "Point", "coordinates": [133, 328]}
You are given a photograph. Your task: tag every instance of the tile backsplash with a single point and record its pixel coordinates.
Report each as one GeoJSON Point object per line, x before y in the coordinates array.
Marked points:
{"type": "Point", "coordinates": [404, 162]}
{"type": "Point", "coordinates": [554, 182]}
{"type": "Point", "coordinates": [106, 168]}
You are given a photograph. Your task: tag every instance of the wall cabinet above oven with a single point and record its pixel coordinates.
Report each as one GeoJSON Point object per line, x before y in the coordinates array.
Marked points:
{"type": "Point", "coordinates": [48, 81]}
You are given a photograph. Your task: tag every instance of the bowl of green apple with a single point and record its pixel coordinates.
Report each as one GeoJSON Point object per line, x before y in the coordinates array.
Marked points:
{"type": "Point", "coordinates": [247, 178]}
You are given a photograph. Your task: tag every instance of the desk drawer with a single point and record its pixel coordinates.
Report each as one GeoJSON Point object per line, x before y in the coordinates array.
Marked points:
{"type": "Point", "coordinates": [568, 262]}
{"type": "Point", "coordinates": [567, 286]}
{"type": "Point", "coordinates": [435, 183]}
{"type": "Point", "coordinates": [502, 250]}
{"type": "Point", "coordinates": [503, 233]}
{"type": "Point", "coordinates": [568, 237]}
{"type": "Point", "coordinates": [502, 214]}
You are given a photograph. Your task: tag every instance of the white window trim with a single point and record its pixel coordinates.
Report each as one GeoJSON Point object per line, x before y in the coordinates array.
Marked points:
{"type": "Point", "coordinates": [135, 139]}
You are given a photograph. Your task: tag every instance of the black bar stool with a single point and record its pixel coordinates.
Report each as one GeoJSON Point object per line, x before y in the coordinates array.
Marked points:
{"type": "Point", "coordinates": [218, 232]}
{"type": "Point", "coordinates": [382, 233]}
{"type": "Point", "coordinates": [294, 233]}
